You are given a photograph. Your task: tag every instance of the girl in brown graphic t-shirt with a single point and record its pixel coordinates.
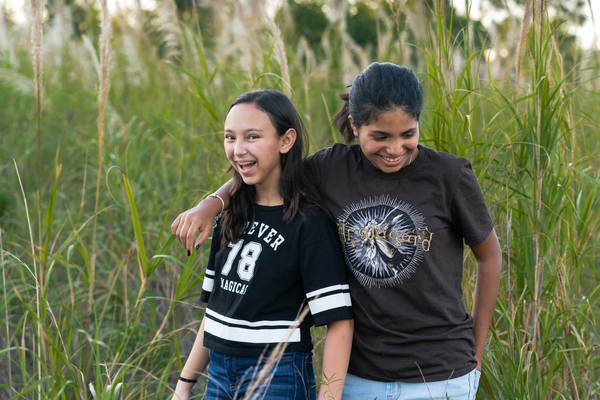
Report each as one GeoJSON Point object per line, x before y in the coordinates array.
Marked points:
{"type": "Point", "coordinates": [403, 213]}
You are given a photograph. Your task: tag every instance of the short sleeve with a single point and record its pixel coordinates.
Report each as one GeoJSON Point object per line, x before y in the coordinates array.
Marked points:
{"type": "Point", "coordinates": [324, 271]}
{"type": "Point", "coordinates": [209, 275]}
{"type": "Point", "coordinates": [315, 164]}
{"type": "Point", "coordinates": [470, 213]}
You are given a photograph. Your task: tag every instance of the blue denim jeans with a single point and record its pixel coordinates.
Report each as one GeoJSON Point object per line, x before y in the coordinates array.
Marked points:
{"type": "Point", "coordinates": [461, 388]}
{"type": "Point", "coordinates": [230, 377]}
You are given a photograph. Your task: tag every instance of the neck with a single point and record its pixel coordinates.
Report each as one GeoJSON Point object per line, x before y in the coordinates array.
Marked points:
{"type": "Point", "coordinates": [268, 196]}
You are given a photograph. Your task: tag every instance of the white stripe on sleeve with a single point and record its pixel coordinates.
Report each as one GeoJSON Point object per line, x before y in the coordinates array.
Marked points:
{"type": "Point", "coordinates": [327, 303]}
{"type": "Point", "coordinates": [208, 284]}
{"type": "Point", "coordinates": [327, 289]}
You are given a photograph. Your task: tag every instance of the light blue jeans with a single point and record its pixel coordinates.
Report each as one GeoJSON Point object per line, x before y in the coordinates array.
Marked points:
{"type": "Point", "coordinates": [461, 388]}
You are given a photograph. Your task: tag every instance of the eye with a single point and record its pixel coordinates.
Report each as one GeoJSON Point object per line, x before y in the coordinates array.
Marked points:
{"type": "Point", "coordinates": [229, 136]}
{"type": "Point", "coordinates": [409, 135]}
{"type": "Point", "coordinates": [253, 136]}
{"type": "Point", "coordinates": [379, 138]}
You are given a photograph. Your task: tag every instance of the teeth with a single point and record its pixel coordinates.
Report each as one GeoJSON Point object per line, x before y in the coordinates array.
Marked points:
{"type": "Point", "coordinates": [243, 164]}
{"type": "Point", "coordinates": [391, 159]}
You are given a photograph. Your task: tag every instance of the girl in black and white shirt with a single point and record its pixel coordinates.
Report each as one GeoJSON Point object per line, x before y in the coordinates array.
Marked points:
{"type": "Point", "coordinates": [273, 252]}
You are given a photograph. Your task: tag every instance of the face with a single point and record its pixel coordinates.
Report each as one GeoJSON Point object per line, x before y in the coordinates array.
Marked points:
{"type": "Point", "coordinates": [390, 142]}
{"type": "Point", "coordinates": [253, 147]}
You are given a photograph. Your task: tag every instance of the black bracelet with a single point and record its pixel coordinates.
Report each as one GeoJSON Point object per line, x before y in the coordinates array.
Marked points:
{"type": "Point", "coordinates": [188, 380]}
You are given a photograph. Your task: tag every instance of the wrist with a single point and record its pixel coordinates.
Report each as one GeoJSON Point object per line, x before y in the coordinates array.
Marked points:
{"type": "Point", "coordinates": [212, 204]}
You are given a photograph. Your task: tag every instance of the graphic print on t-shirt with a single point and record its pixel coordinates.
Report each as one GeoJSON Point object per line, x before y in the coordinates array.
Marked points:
{"type": "Point", "coordinates": [383, 240]}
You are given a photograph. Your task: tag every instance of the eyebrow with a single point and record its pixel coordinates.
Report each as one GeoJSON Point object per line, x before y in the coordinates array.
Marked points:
{"type": "Point", "coordinates": [388, 134]}
{"type": "Point", "coordinates": [245, 131]}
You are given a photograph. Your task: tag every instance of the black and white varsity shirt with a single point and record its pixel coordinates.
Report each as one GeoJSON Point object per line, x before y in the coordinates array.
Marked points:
{"type": "Point", "coordinates": [257, 287]}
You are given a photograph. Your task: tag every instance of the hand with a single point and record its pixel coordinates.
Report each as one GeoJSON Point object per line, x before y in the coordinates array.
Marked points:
{"type": "Point", "coordinates": [478, 358]}
{"type": "Point", "coordinates": [181, 396]}
{"type": "Point", "coordinates": [200, 220]}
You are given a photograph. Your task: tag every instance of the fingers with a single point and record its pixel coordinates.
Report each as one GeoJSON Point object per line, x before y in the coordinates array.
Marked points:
{"type": "Point", "coordinates": [190, 235]}
{"type": "Point", "coordinates": [202, 238]}
{"type": "Point", "coordinates": [182, 229]}
{"type": "Point", "coordinates": [198, 220]}
{"type": "Point", "coordinates": [175, 224]}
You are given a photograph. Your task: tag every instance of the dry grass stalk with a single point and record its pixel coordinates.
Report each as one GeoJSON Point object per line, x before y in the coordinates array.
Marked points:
{"type": "Point", "coordinates": [263, 376]}
{"type": "Point", "coordinates": [9, 390]}
{"type": "Point", "coordinates": [104, 72]}
{"type": "Point", "coordinates": [37, 284]}
{"type": "Point", "coordinates": [524, 30]}
{"type": "Point", "coordinates": [280, 54]}
{"type": "Point", "coordinates": [37, 11]}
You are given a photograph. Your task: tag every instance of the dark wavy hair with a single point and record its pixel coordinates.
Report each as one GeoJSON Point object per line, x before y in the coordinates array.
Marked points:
{"type": "Point", "coordinates": [292, 184]}
{"type": "Point", "coordinates": [379, 88]}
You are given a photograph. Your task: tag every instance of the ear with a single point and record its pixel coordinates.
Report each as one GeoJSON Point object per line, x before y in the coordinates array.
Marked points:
{"type": "Point", "coordinates": [354, 129]}
{"type": "Point", "coordinates": [287, 141]}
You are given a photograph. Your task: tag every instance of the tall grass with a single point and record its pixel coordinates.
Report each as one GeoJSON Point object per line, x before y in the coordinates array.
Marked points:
{"type": "Point", "coordinates": [117, 309]}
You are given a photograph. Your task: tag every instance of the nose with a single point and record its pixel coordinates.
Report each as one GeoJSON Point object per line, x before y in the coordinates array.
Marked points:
{"type": "Point", "coordinates": [240, 148]}
{"type": "Point", "coordinates": [395, 147]}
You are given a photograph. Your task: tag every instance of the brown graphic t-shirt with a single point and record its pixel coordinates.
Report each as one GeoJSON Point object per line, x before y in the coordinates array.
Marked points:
{"type": "Point", "coordinates": [402, 237]}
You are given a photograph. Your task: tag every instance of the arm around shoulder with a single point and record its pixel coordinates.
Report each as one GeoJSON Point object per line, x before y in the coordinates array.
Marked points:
{"type": "Point", "coordinates": [200, 219]}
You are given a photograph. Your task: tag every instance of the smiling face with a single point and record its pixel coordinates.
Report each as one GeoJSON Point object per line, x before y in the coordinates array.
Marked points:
{"type": "Point", "coordinates": [254, 148]}
{"type": "Point", "coordinates": [389, 142]}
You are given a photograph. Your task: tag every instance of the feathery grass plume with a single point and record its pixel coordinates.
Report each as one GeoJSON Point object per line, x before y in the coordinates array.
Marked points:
{"type": "Point", "coordinates": [385, 39]}
{"type": "Point", "coordinates": [279, 53]}
{"type": "Point", "coordinates": [337, 13]}
{"type": "Point", "coordinates": [20, 83]}
{"type": "Point", "coordinates": [3, 29]}
{"type": "Point", "coordinates": [596, 48]}
{"type": "Point", "coordinates": [523, 39]}
{"type": "Point", "coordinates": [168, 23]}
{"type": "Point", "coordinates": [134, 67]}
{"type": "Point", "coordinates": [37, 15]}
{"type": "Point", "coordinates": [57, 34]}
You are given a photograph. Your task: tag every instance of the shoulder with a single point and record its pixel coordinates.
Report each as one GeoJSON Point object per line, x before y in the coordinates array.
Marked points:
{"type": "Point", "coordinates": [316, 222]}
{"type": "Point", "coordinates": [335, 153]}
{"type": "Point", "coordinates": [447, 167]}
{"type": "Point", "coordinates": [446, 160]}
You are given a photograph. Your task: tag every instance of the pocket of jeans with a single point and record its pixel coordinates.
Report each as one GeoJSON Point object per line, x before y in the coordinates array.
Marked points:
{"type": "Point", "coordinates": [477, 376]}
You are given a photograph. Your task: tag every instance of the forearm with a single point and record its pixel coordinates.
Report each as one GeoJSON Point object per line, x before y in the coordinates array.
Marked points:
{"type": "Point", "coordinates": [336, 355]}
{"type": "Point", "coordinates": [487, 284]}
{"type": "Point", "coordinates": [199, 220]}
{"type": "Point", "coordinates": [486, 293]}
{"type": "Point", "coordinates": [194, 366]}
{"type": "Point", "coordinates": [214, 203]}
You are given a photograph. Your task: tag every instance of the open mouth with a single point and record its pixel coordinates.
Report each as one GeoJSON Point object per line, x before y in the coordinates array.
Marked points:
{"type": "Point", "coordinates": [246, 165]}
{"type": "Point", "coordinates": [392, 160]}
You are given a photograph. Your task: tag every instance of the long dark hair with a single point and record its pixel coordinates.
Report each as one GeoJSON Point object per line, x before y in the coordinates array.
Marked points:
{"type": "Point", "coordinates": [379, 88]}
{"type": "Point", "coordinates": [292, 183]}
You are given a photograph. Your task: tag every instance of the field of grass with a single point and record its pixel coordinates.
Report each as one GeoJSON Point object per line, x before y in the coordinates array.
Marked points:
{"type": "Point", "coordinates": [98, 156]}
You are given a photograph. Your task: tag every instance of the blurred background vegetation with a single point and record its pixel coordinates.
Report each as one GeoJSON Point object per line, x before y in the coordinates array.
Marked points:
{"type": "Point", "coordinates": [99, 301]}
